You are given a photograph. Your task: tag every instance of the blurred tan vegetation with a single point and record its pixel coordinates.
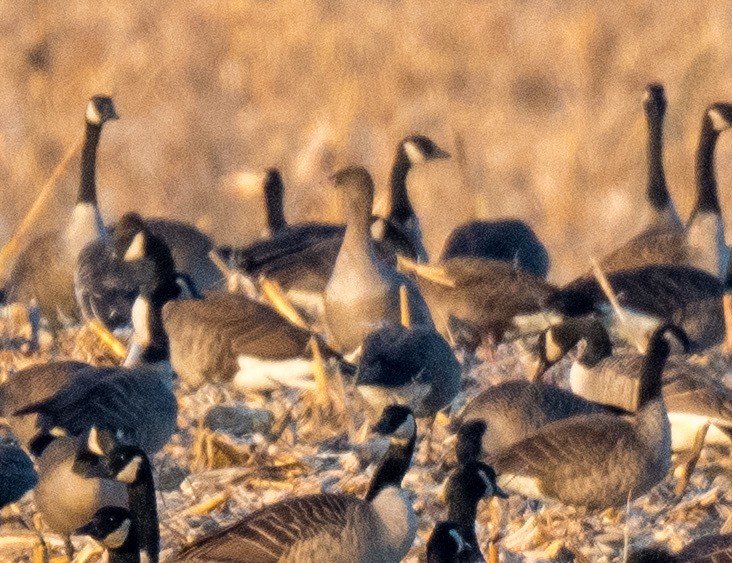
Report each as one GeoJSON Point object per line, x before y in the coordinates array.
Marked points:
{"type": "Point", "coordinates": [544, 96]}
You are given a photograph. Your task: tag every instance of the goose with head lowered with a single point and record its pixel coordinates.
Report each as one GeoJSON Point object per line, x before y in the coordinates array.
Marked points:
{"type": "Point", "coordinates": [136, 401]}
{"type": "Point", "coordinates": [329, 526]}
{"type": "Point", "coordinates": [693, 396]}
{"type": "Point", "coordinates": [701, 243]}
{"type": "Point", "coordinates": [363, 292]}
{"type": "Point", "coordinates": [44, 270]}
{"type": "Point", "coordinates": [596, 460]}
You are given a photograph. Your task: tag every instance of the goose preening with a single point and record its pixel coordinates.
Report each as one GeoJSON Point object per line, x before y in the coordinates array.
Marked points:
{"type": "Point", "coordinates": [414, 367]}
{"type": "Point", "coordinates": [692, 395]}
{"type": "Point", "coordinates": [44, 270]}
{"type": "Point", "coordinates": [507, 240]}
{"type": "Point", "coordinates": [483, 299]}
{"type": "Point", "coordinates": [363, 292]}
{"type": "Point", "coordinates": [329, 526]}
{"type": "Point", "coordinates": [106, 284]}
{"type": "Point", "coordinates": [445, 544]}
{"type": "Point", "coordinates": [596, 460]}
{"type": "Point", "coordinates": [114, 528]}
{"type": "Point", "coordinates": [701, 243]}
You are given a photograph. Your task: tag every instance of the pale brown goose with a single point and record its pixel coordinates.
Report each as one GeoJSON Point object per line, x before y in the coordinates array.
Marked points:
{"type": "Point", "coordinates": [701, 243]}
{"type": "Point", "coordinates": [692, 395]}
{"type": "Point", "coordinates": [363, 292]}
{"type": "Point", "coordinates": [329, 526]}
{"type": "Point", "coordinates": [596, 460]}
{"type": "Point", "coordinates": [44, 270]}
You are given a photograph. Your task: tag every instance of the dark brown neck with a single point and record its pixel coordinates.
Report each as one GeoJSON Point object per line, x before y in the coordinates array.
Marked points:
{"type": "Point", "coordinates": [274, 202]}
{"type": "Point", "coordinates": [706, 180]}
{"type": "Point", "coordinates": [401, 208]}
{"type": "Point", "coordinates": [657, 190]}
{"type": "Point", "coordinates": [88, 186]}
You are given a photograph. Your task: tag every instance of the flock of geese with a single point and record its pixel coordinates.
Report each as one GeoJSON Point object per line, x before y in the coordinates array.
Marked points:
{"type": "Point", "coordinates": [365, 299]}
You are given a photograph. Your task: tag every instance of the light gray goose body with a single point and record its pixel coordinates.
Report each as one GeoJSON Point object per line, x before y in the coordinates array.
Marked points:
{"type": "Point", "coordinates": [329, 526]}
{"type": "Point", "coordinates": [701, 243]}
{"type": "Point", "coordinates": [44, 270]}
{"type": "Point", "coordinates": [596, 460]}
{"type": "Point", "coordinates": [692, 395]}
{"type": "Point", "coordinates": [363, 292]}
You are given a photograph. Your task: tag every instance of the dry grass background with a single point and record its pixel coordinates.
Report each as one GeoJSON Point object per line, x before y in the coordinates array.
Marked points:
{"type": "Point", "coordinates": [545, 97]}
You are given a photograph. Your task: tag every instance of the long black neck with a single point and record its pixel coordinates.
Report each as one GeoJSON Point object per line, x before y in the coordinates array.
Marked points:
{"type": "Point", "coordinates": [128, 552]}
{"type": "Point", "coordinates": [657, 191]}
{"type": "Point", "coordinates": [651, 383]}
{"type": "Point", "coordinates": [144, 510]}
{"type": "Point", "coordinates": [707, 199]}
{"type": "Point", "coordinates": [88, 186]}
{"type": "Point", "coordinates": [401, 208]}
{"type": "Point", "coordinates": [273, 196]}
{"type": "Point", "coordinates": [463, 510]}
{"type": "Point", "coordinates": [393, 467]}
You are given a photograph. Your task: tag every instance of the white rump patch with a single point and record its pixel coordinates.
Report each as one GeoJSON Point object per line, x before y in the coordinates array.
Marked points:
{"type": "Point", "coordinates": [136, 250]}
{"type": "Point", "coordinates": [524, 486]}
{"type": "Point", "coordinates": [534, 323]}
{"type": "Point", "coordinates": [256, 374]}
{"type": "Point", "coordinates": [684, 429]}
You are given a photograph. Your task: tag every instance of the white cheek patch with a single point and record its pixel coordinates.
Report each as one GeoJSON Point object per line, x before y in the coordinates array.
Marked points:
{"type": "Point", "coordinates": [414, 153]}
{"type": "Point", "coordinates": [92, 114]}
{"type": "Point", "coordinates": [553, 350]}
{"type": "Point", "coordinates": [130, 471]}
{"type": "Point", "coordinates": [719, 121]}
{"type": "Point", "coordinates": [92, 442]}
{"type": "Point", "coordinates": [136, 250]}
{"type": "Point", "coordinates": [118, 538]}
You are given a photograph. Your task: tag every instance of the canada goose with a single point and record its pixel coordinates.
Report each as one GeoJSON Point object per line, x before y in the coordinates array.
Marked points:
{"type": "Point", "coordinates": [464, 489]}
{"type": "Point", "coordinates": [17, 475]}
{"type": "Point", "coordinates": [488, 297]}
{"type": "Point", "coordinates": [508, 240]}
{"type": "Point", "coordinates": [415, 367]}
{"type": "Point", "coordinates": [701, 243]}
{"type": "Point", "coordinates": [363, 292]}
{"type": "Point", "coordinates": [693, 398]}
{"type": "Point", "coordinates": [106, 285]}
{"type": "Point", "coordinates": [514, 410]}
{"type": "Point", "coordinates": [130, 465]}
{"type": "Point", "coordinates": [229, 338]}
{"type": "Point", "coordinates": [114, 528]}
{"type": "Point", "coordinates": [44, 270]}
{"type": "Point", "coordinates": [715, 548]}
{"type": "Point", "coordinates": [329, 526]}
{"type": "Point", "coordinates": [596, 460]}
{"type": "Point", "coordinates": [652, 295]}
{"type": "Point", "coordinates": [446, 544]}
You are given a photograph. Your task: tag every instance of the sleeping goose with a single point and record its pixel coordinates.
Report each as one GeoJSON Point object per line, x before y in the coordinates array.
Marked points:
{"type": "Point", "coordinates": [44, 270]}
{"type": "Point", "coordinates": [114, 528]}
{"type": "Point", "coordinates": [701, 243]}
{"type": "Point", "coordinates": [329, 526]}
{"type": "Point", "coordinates": [363, 292]}
{"type": "Point", "coordinates": [693, 397]}
{"type": "Point", "coordinates": [489, 298]}
{"type": "Point", "coordinates": [596, 460]}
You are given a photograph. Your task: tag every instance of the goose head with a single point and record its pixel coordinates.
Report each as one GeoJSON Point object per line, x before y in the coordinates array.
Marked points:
{"type": "Point", "coordinates": [99, 110]}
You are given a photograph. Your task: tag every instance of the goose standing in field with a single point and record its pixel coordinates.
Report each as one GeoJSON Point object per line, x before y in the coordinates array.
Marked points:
{"type": "Point", "coordinates": [692, 395]}
{"type": "Point", "coordinates": [44, 270]}
{"type": "Point", "coordinates": [363, 292]}
{"type": "Point", "coordinates": [114, 528]}
{"type": "Point", "coordinates": [596, 460]}
{"type": "Point", "coordinates": [136, 401]}
{"type": "Point", "coordinates": [413, 367]}
{"type": "Point", "coordinates": [445, 545]}
{"type": "Point", "coordinates": [301, 259]}
{"type": "Point", "coordinates": [701, 243]}
{"type": "Point", "coordinates": [329, 526]}
{"type": "Point", "coordinates": [488, 298]}
{"type": "Point", "coordinates": [664, 220]}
